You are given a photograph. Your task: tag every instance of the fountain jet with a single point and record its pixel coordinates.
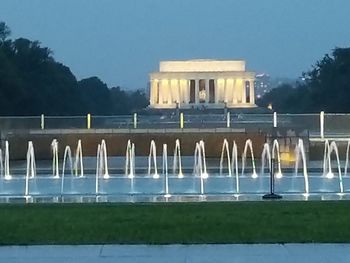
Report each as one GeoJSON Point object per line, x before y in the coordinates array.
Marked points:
{"type": "Point", "coordinates": [102, 163]}
{"type": "Point", "coordinates": [78, 162]}
{"type": "Point", "coordinates": [276, 151]}
{"type": "Point", "coordinates": [54, 149]}
{"type": "Point", "coordinates": [265, 155]}
{"type": "Point", "coordinates": [271, 155]}
{"type": "Point", "coordinates": [66, 156]}
{"type": "Point", "coordinates": [300, 152]}
{"type": "Point", "coordinates": [234, 164]}
{"type": "Point", "coordinates": [200, 167]}
{"type": "Point", "coordinates": [225, 148]}
{"type": "Point", "coordinates": [153, 153]}
{"type": "Point", "coordinates": [329, 148]}
{"type": "Point", "coordinates": [177, 159]}
{"type": "Point", "coordinates": [31, 167]}
{"type": "Point", "coordinates": [249, 145]}
{"type": "Point", "coordinates": [165, 171]}
{"type": "Point", "coordinates": [347, 159]}
{"type": "Point", "coordinates": [7, 162]}
{"type": "Point", "coordinates": [130, 160]}
{"type": "Point", "coordinates": [1, 165]}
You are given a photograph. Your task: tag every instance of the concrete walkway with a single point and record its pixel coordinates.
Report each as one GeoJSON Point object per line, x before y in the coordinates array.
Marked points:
{"type": "Point", "coordinates": [320, 253]}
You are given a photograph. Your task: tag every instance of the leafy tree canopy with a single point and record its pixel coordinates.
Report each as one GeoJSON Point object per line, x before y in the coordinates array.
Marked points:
{"type": "Point", "coordinates": [326, 87]}
{"type": "Point", "coordinates": [32, 83]}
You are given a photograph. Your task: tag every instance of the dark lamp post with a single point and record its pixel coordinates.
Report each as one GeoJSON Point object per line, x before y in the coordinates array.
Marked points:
{"type": "Point", "coordinates": [272, 194]}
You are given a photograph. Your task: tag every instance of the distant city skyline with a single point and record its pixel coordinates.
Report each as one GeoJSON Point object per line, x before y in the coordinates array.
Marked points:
{"type": "Point", "coordinates": [121, 42]}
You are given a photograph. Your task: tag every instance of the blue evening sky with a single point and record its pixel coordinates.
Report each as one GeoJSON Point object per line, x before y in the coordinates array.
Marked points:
{"type": "Point", "coordinates": [121, 41]}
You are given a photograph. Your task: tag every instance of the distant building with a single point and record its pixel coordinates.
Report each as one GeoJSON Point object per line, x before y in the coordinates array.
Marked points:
{"type": "Point", "coordinates": [262, 84]}
{"type": "Point", "coordinates": [202, 83]}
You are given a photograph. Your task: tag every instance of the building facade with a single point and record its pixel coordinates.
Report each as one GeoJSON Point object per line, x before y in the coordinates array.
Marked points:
{"type": "Point", "coordinates": [202, 83]}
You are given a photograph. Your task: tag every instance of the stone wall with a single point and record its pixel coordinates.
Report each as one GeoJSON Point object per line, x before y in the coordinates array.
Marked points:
{"type": "Point", "coordinates": [117, 140]}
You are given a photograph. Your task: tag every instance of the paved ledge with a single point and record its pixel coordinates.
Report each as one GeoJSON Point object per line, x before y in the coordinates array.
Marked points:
{"type": "Point", "coordinates": [125, 131]}
{"type": "Point", "coordinates": [320, 253]}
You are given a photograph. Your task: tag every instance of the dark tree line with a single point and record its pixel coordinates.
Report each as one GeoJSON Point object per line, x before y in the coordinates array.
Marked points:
{"type": "Point", "coordinates": [326, 87]}
{"type": "Point", "coordinates": [32, 83]}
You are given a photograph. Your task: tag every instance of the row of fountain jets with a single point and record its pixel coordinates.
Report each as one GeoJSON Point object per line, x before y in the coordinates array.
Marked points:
{"type": "Point", "coordinates": [199, 168]}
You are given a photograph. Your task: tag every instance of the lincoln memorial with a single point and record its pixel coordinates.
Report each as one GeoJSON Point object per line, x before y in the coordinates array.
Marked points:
{"type": "Point", "coordinates": [202, 84]}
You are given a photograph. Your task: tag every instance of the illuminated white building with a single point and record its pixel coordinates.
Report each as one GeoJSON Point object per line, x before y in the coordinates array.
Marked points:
{"type": "Point", "coordinates": [202, 83]}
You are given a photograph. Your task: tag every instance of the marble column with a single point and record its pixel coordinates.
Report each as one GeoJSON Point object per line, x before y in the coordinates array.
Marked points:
{"type": "Point", "coordinates": [251, 92]}
{"type": "Point", "coordinates": [151, 92]}
{"type": "Point", "coordinates": [170, 96]}
{"type": "Point", "coordinates": [221, 90]}
{"type": "Point", "coordinates": [175, 91]}
{"type": "Point", "coordinates": [187, 91]}
{"type": "Point", "coordinates": [225, 91]}
{"type": "Point", "coordinates": [161, 91]}
{"type": "Point", "coordinates": [234, 93]}
{"type": "Point", "coordinates": [179, 97]}
{"type": "Point", "coordinates": [229, 92]}
{"type": "Point", "coordinates": [216, 91]}
{"type": "Point", "coordinates": [158, 92]}
{"type": "Point", "coordinates": [243, 93]}
{"type": "Point", "coordinates": [196, 88]}
{"type": "Point", "coordinates": [154, 92]}
{"type": "Point", "coordinates": [206, 90]}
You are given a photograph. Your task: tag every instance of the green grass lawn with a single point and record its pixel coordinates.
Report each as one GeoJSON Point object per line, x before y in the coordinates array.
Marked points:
{"type": "Point", "coordinates": [165, 223]}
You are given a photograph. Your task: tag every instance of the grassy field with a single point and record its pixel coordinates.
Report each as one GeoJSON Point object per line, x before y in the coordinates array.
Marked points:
{"type": "Point", "coordinates": [236, 222]}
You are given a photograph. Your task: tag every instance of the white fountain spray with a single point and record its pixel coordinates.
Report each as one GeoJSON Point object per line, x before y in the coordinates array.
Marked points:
{"type": "Point", "coordinates": [200, 167]}
{"type": "Point", "coordinates": [197, 164]}
{"type": "Point", "coordinates": [165, 171]}
{"type": "Point", "coordinates": [202, 146]}
{"type": "Point", "coordinates": [67, 157]}
{"type": "Point", "coordinates": [271, 155]}
{"type": "Point", "coordinates": [54, 149]}
{"type": "Point", "coordinates": [130, 160]}
{"type": "Point", "coordinates": [322, 124]}
{"type": "Point", "coordinates": [225, 148]}
{"type": "Point", "coordinates": [153, 156]}
{"type": "Point", "coordinates": [97, 168]}
{"type": "Point", "coordinates": [78, 162]}
{"type": "Point", "coordinates": [31, 167]}
{"type": "Point", "coordinates": [347, 159]}
{"type": "Point", "coordinates": [234, 164]}
{"type": "Point", "coordinates": [7, 162]}
{"type": "Point", "coordinates": [177, 160]}
{"type": "Point", "coordinates": [276, 151]}
{"type": "Point", "coordinates": [102, 161]}
{"type": "Point", "coordinates": [326, 159]}
{"type": "Point", "coordinates": [249, 145]}
{"type": "Point", "coordinates": [265, 155]}
{"type": "Point", "coordinates": [328, 164]}
{"type": "Point", "coordinates": [1, 165]}
{"type": "Point", "coordinates": [101, 164]}
{"type": "Point", "coordinates": [300, 152]}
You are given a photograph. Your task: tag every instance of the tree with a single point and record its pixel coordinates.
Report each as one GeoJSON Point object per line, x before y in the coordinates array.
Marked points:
{"type": "Point", "coordinates": [5, 32]}
{"type": "Point", "coordinates": [326, 87]}
{"type": "Point", "coordinates": [32, 83]}
{"type": "Point", "coordinates": [95, 95]}
{"type": "Point", "coordinates": [139, 100]}
{"type": "Point", "coordinates": [120, 101]}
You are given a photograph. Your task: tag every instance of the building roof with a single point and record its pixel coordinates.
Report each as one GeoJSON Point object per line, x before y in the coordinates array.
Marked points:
{"type": "Point", "coordinates": [202, 65]}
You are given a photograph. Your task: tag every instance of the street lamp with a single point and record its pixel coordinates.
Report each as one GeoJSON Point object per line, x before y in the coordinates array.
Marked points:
{"type": "Point", "coordinates": [272, 194]}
